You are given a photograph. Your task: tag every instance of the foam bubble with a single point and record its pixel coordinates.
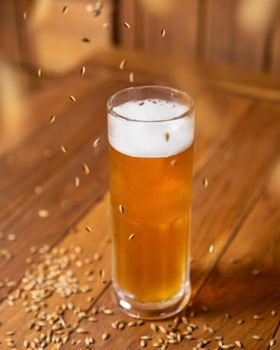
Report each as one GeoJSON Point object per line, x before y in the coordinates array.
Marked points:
{"type": "Point", "coordinates": [141, 138]}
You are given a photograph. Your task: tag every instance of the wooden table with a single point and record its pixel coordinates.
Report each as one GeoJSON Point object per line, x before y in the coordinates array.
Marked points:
{"type": "Point", "coordinates": [55, 228]}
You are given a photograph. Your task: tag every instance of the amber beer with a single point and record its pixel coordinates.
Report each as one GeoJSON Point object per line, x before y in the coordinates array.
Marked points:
{"type": "Point", "coordinates": [151, 154]}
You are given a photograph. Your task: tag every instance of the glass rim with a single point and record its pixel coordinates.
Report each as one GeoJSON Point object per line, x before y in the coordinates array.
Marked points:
{"type": "Point", "coordinates": [187, 113]}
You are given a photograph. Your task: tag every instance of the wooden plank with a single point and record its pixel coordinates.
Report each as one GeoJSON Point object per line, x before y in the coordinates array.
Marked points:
{"type": "Point", "coordinates": [232, 39]}
{"type": "Point", "coordinates": [215, 112]}
{"type": "Point", "coordinates": [255, 248]}
{"type": "Point", "coordinates": [233, 185]}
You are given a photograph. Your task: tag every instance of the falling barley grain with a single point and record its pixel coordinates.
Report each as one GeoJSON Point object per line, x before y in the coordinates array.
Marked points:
{"type": "Point", "coordinates": [85, 40]}
{"type": "Point", "coordinates": [52, 119]}
{"type": "Point", "coordinates": [205, 182]}
{"type": "Point", "coordinates": [89, 229]}
{"type": "Point", "coordinates": [122, 64]}
{"type": "Point", "coordinates": [96, 257]}
{"type": "Point", "coordinates": [24, 15]}
{"type": "Point", "coordinates": [166, 136]}
{"type": "Point", "coordinates": [211, 248]}
{"type": "Point", "coordinates": [64, 149]}
{"type": "Point", "coordinates": [43, 213]}
{"type": "Point", "coordinates": [163, 33]}
{"type": "Point", "coordinates": [106, 25]}
{"type": "Point", "coordinates": [121, 209]}
{"type": "Point", "coordinates": [72, 98]}
{"type": "Point", "coordinates": [272, 342]}
{"type": "Point", "coordinates": [96, 142]}
{"type": "Point", "coordinates": [39, 72]}
{"type": "Point", "coordinates": [77, 181]}
{"type": "Point", "coordinates": [86, 168]}
{"type": "Point", "coordinates": [131, 77]}
{"type": "Point", "coordinates": [65, 9]}
{"type": "Point", "coordinates": [127, 25]}
{"type": "Point", "coordinates": [83, 71]}
{"type": "Point", "coordinates": [11, 237]}
{"type": "Point", "coordinates": [131, 236]}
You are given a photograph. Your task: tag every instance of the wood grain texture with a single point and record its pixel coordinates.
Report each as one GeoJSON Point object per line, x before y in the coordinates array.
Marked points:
{"type": "Point", "coordinates": [237, 145]}
{"type": "Point", "coordinates": [27, 165]}
{"type": "Point", "coordinates": [194, 76]}
{"type": "Point", "coordinates": [89, 244]}
{"type": "Point", "coordinates": [70, 166]}
{"type": "Point", "coordinates": [234, 288]}
{"type": "Point", "coordinates": [59, 194]}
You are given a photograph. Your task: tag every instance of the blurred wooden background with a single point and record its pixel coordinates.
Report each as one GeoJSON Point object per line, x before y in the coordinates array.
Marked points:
{"type": "Point", "coordinates": [239, 32]}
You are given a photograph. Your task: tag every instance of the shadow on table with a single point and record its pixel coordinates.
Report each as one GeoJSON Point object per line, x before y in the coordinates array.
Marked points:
{"type": "Point", "coordinates": [239, 290]}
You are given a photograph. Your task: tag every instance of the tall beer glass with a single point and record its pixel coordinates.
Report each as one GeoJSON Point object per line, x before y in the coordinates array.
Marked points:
{"type": "Point", "coordinates": [151, 133]}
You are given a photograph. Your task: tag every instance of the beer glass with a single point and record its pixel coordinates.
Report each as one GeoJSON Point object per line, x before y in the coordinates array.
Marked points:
{"type": "Point", "coordinates": [151, 133]}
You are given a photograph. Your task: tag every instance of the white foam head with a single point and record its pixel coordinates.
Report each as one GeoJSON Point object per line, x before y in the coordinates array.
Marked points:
{"type": "Point", "coordinates": [140, 137]}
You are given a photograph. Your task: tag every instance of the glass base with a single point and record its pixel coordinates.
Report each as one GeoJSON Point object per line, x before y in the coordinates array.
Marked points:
{"type": "Point", "coordinates": [153, 310]}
